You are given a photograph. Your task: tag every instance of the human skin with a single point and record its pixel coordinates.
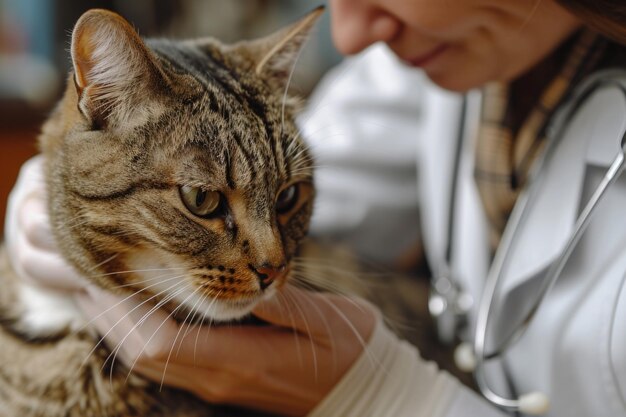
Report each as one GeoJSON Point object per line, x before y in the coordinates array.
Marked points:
{"type": "Point", "coordinates": [460, 44]}
{"type": "Point", "coordinates": [285, 367]}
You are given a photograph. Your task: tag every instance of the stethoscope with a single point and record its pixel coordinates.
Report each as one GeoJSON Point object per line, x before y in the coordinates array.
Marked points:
{"type": "Point", "coordinates": [450, 304]}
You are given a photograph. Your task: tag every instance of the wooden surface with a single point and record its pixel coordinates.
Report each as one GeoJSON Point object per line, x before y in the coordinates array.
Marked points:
{"type": "Point", "coordinates": [16, 146]}
{"type": "Point", "coordinates": [20, 124]}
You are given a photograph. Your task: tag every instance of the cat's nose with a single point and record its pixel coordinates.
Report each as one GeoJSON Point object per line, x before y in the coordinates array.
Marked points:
{"type": "Point", "coordinates": [268, 274]}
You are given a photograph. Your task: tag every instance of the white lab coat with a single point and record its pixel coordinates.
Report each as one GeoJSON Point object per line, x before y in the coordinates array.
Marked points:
{"type": "Point", "coordinates": [575, 349]}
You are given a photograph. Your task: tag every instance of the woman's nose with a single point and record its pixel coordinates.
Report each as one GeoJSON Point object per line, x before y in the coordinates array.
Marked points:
{"type": "Point", "coordinates": [356, 24]}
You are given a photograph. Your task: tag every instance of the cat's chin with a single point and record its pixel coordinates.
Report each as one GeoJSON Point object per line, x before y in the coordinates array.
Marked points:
{"type": "Point", "coordinates": [217, 310]}
{"type": "Point", "coordinates": [223, 311]}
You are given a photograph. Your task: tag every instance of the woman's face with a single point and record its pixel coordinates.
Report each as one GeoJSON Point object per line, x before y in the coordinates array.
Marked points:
{"type": "Point", "coordinates": [460, 44]}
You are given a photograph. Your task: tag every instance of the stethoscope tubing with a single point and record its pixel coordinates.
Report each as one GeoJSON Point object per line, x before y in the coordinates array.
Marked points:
{"type": "Point", "coordinates": [520, 212]}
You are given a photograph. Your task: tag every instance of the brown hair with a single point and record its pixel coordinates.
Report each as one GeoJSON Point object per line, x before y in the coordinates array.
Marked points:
{"type": "Point", "coordinates": [608, 17]}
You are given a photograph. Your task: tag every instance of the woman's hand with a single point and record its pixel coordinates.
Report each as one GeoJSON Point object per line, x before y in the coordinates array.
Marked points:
{"type": "Point", "coordinates": [28, 237]}
{"type": "Point", "coordinates": [287, 366]}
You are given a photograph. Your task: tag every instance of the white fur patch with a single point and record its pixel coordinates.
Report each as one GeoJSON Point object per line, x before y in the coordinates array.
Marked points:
{"type": "Point", "coordinates": [214, 309]}
{"type": "Point", "coordinates": [47, 312]}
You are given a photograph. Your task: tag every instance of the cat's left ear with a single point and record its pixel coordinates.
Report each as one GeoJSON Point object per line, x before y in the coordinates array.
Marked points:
{"type": "Point", "coordinates": [114, 72]}
{"type": "Point", "coordinates": [273, 56]}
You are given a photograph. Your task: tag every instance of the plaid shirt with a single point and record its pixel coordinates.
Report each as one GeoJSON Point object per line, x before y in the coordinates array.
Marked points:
{"type": "Point", "coordinates": [504, 159]}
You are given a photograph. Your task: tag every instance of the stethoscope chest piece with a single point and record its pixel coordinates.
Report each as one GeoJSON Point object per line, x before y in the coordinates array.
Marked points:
{"type": "Point", "coordinates": [449, 306]}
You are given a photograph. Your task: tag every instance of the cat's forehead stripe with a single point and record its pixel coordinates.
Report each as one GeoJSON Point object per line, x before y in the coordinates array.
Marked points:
{"type": "Point", "coordinates": [209, 70]}
{"type": "Point", "coordinates": [228, 171]}
{"type": "Point", "coordinates": [243, 110]}
{"type": "Point", "coordinates": [248, 158]}
{"type": "Point", "coordinates": [190, 61]}
{"type": "Point", "coordinates": [212, 72]}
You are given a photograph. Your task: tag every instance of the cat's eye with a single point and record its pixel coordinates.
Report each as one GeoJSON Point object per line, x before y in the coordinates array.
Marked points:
{"type": "Point", "coordinates": [201, 202]}
{"type": "Point", "coordinates": [287, 199]}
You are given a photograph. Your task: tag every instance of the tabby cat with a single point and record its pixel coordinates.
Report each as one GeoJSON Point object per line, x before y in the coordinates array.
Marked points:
{"type": "Point", "coordinates": [174, 172]}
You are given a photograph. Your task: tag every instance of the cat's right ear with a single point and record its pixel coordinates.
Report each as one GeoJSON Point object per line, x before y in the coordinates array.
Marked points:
{"type": "Point", "coordinates": [114, 71]}
{"type": "Point", "coordinates": [274, 56]}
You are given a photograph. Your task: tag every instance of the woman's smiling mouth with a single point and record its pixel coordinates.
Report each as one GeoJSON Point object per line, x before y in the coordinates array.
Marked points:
{"type": "Point", "coordinates": [425, 59]}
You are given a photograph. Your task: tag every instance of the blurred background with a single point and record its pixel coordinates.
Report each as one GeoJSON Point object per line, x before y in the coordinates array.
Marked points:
{"type": "Point", "coordinates": [34, 57]}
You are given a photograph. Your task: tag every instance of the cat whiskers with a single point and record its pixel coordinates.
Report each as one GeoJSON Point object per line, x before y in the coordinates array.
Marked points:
{"type": "Point", "coordinates": [295, 147]}
{"type": "Point", "coordinates": [69, 224]}
{"type": "Point", "coordinates": [346, 70]}
{"type": "Point", "coordinates": [302, 160]}
{"type": "Point", "coordinates": [280, 296]}
{"type": "Point", "coordinates": [202, 299]}
{"type": "Point", "coordinates": [286, 91]}
{"type": "Point", "coordinates": [129, 271]}
{"type": "Point", "coordinates": [83, 327]}
{"type": "Point", "coordinates": [145, 317]}
{"type": "Point", "coordinates": [180, 328]}
{"type": "Point", "coordinates": [73, 226]}
{"type": "Point", "coordinates": [305, 171]}
{"type": "Point", "coordinates": [317, 274]}
{"type": "Point", "coordinates": [109, 259]}
{"type": "Point", "coordinates": [318, 280]}
{"type": "Point", "coordinates": [102, 338]}
{"type": "Point", "coordinates": [373, 360]}
{"type": "Point", "coordinates": [161, 303]}
{"type": "Point", "coordinates": [331, 338]}
{"type": "Point", "coordinates": [308, 330]}
{"type": "Point", "coordinates": [195, 345]}
{"type": "Point", "coordinates": [194, 309]}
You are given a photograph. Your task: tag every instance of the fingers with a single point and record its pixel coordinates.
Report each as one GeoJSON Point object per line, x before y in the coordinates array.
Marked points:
{"type": "Point", "coordinates": [316, 314]}
{"type": "Point", "coordinates": [295, 308]}
{"type": "Point", "coordinates": [269, 367]}
{"type": "Point", "coordinates": [29, 239]}
{"type": "Point", "coordinates": [48, 268]}
{"type": "Point", "coordinates": [35, 222]}
{"type": "Point", "coordinates": [143, 333]}
{"type": "Point", "coordinates": [38, 251]}
{"type": "Point", "coordinates": [139, 329]}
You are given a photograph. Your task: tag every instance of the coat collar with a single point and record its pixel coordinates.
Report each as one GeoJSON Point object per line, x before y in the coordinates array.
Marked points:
{"type": "Point", "coordinates": [591, 136]}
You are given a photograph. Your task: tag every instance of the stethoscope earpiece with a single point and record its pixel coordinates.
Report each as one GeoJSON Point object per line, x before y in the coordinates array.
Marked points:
{"type": "Point", "coordinates": [464, 357]}
{"type": "Point", "coordinates": [534, 403]}
{"type": "Point", "coordinates": [470, 358]}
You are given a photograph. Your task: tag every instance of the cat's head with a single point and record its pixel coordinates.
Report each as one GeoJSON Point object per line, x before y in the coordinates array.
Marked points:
{"type": "Point", "coordinates": [175, 169]}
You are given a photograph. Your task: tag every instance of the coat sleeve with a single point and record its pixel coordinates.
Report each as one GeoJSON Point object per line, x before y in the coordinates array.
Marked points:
{"type": "Point", "coordinates": [391, 380]}
{"type": "Point", "coordinates": [363, 125]}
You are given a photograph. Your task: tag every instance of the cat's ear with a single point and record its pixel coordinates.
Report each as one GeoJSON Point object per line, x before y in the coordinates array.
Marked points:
{"type": "Point", "coordinates": [273, 56]}
{"type": "Point", "coordinates": [113, 69]}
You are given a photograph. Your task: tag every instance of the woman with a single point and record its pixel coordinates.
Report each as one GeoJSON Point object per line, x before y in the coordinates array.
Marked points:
{"type": "Point", "coordinates": [536, 52]}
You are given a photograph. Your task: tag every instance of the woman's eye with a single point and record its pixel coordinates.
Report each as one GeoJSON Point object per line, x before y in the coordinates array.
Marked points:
{"type": "Point", "coordinates": [201, 202]}
{"type": "Point", "coordinates": [287, 199]}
